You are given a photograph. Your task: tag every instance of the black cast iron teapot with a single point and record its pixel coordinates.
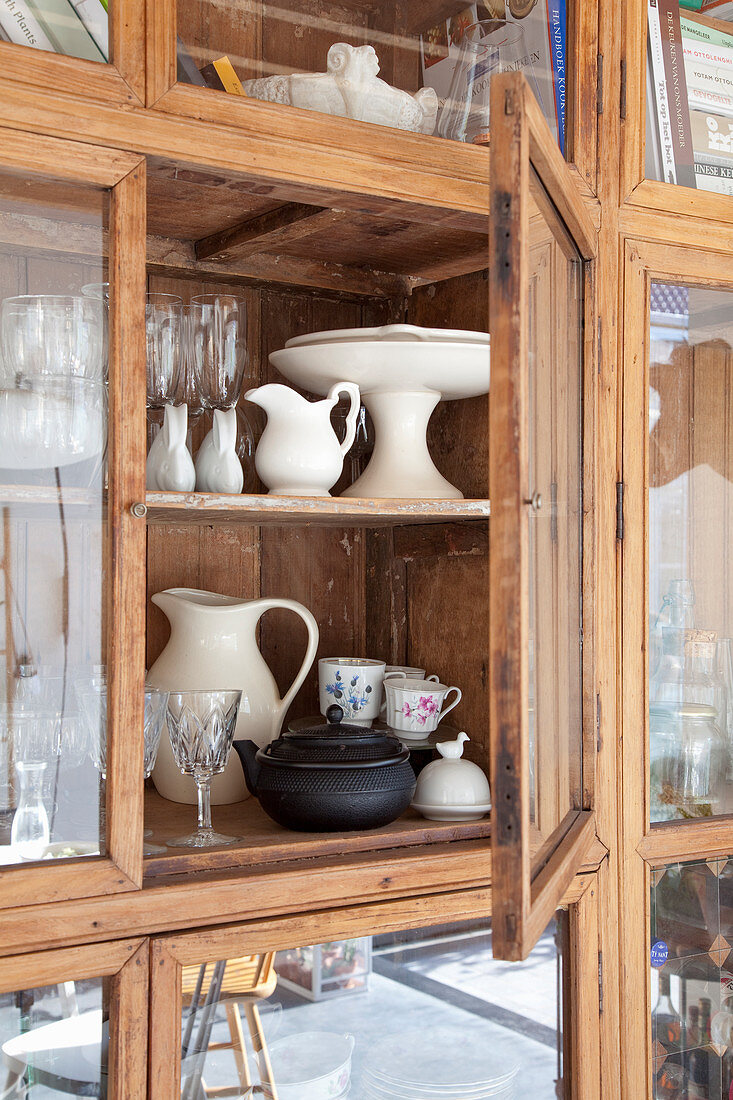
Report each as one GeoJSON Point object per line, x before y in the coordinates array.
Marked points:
{"type": "Point", "coordinates": [331, 778]}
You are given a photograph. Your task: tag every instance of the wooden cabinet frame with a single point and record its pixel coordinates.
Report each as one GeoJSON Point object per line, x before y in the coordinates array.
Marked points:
{"type": "Point", "coordinates": [646, 846]}
{"type": "Point", "coordinates": [169, 954]}
{"type": "Point", "coordinates": [124, 175]}
{"type": "Point", "coordinates": [120, 81]}
{"type": "Point", "coordinates": [126, 963]}
{"type": "Point", "coordinates": [528, 884]}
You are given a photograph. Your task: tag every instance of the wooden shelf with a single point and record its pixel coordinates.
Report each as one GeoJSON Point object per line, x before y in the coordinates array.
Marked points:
{"type": "Point", "coordinates": [265, 842]}
{"type": "Point", "coordinates": [219, 508]}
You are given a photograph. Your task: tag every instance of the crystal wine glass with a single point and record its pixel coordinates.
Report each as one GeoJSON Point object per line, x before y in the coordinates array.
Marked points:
{"type": "Point", "coordinates": [94, 703]}
{"type": "Point", "coordinates": [218, 346]}
{"type": "Point", "coordinates": [201, 727]}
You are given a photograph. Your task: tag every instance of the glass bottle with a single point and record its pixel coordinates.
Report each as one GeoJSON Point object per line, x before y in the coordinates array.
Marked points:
{"type": "Point", "coordinates": [728, 1069]}
{"type": "Point", "coordinates": [666, 1020]}
{"type": "Point", "coordinates": [29, 833]}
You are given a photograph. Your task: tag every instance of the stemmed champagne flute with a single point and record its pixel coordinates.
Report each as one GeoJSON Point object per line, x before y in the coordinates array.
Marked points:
{"type": "Point", "coordinates": [217, 357]}
{"type": "Point", "coordinates": [201, 726]}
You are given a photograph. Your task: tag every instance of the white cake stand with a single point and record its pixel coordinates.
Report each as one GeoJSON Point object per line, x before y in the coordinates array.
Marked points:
{"type": "Point", "coordinates": [402, 372]}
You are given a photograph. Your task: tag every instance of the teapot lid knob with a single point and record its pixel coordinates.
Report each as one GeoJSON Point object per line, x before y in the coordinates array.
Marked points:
{"type": "Point", "coordinates": [334, 714]}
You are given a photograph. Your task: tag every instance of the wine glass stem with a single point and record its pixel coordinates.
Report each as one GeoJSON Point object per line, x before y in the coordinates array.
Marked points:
{"type": "Point", "coordinates": [203, 788]}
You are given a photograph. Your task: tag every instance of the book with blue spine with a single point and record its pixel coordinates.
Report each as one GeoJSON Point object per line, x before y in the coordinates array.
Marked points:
{"type": "Point", "coordinates": [557, 30]}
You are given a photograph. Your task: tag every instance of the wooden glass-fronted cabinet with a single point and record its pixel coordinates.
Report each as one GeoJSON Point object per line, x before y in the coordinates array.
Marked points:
{"type": "Point", "coordinates": [316, 223]}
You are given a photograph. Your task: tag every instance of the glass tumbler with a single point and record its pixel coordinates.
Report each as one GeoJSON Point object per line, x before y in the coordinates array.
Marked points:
{"type": "Point", "coordinates": [53, 334]}
{"type": "Point", "coordinates": [487, 47]}
{"type": "Point", "coordinates": [218, 343]}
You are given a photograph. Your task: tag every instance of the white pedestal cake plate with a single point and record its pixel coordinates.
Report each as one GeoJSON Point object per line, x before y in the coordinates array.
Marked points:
{"type": "Point", "coordinates": [402, 372]}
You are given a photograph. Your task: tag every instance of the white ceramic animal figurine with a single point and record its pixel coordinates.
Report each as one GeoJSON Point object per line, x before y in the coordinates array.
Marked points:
{"type": "Point", "coordinates": [169, 466]}
{"type": "Point", "coordinates": [351, 89]}
{"type": "Point", "coordinates": [218, 469]}
{"type": "Point", "coordinates": [299, 453]}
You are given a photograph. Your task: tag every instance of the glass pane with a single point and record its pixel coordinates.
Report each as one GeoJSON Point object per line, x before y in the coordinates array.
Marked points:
{"type": "Point", "coordinates": [690, 509]}
{"type": "Point", "coordinates": [432, 79]}
{"type": "Point", "coordinates": [555, 519]}
{"type": "Point", "coordinates": [689, 94]}
{"type": "Point", "coordinates": [54, 1041]}
{"type": "Point", "coordinates": [421, 1013]}
{"type": "Point", "coordinates": [77, 28]}
{"type": "Point", "coordinates": [53, 428]}
{"type": "Point", "coordinates": [692, 980]}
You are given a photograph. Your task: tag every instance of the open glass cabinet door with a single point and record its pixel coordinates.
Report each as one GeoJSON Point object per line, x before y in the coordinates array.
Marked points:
{"type": "Point", "coordinates": [542, 704]}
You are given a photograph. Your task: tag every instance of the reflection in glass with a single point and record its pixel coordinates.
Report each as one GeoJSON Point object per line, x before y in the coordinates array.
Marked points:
{"type": "Point", "coordinates": [423, 1013]}
{"type": "Point", "coordinates": [554, 516]}
{"type": "Point", "coordinates": [53, 438]}
{"type": "Point", "coordinates": [690, 513]}
{"type": "Point", "coordinates": [54, 1041]}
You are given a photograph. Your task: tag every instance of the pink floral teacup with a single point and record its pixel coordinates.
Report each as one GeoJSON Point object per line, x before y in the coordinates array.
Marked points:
{"type": "Point", "coordinates": [414, 706]}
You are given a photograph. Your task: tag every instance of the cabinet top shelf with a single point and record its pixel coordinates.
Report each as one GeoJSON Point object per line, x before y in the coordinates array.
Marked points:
{"type": "Point", "coordinates": [211, 508]}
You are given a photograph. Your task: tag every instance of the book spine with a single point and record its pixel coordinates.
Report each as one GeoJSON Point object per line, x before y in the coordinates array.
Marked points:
{"type": "Point", "coordinates": [95, 19]}
{"type": "Point", "coordinates": [714, 177]}
{"type": "Point", "coordinates": [22, 27]}
{"type": "Point", "coordinates": [228, 77]}
{"type": "Point", "coordinates": [701, 100]}
{"type": "Point", "coordinates": [557, 25]}
{"type": "Point", "coordinates": [707, 30]}
{"type": "Point", "coordinates": [679, 111]}
{"type": "Point", "coordinates": [211, 78]}
{"type": "Point", "coordinates": [186, 70]}
{"type": "Point", "coordinates": [66, 29]}
{"type": "Point", "coordinates": [709, 78]}
{"type": "Point", "coordinates": [706, 53]}
{"type": "Point", "coordinates": [712, 137]}
{"type": "Point", "coordinates": [660, 94]}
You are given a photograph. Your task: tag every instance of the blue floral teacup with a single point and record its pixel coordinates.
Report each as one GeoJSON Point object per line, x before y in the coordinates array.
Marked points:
{"type": "Point", "coordinates": [355, 683]}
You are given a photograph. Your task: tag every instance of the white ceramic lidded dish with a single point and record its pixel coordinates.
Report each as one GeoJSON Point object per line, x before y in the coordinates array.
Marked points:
{"type": "Point", "coordinates": [452, 789]}
{"type": "Point", "coordinates": [390, 332]}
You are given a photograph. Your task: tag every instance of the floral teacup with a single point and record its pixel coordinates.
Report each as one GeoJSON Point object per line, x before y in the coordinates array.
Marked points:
{"type": "Point", "coordinates": [355, 684]}
{"type": "Point", "coordinates": [414, 706]}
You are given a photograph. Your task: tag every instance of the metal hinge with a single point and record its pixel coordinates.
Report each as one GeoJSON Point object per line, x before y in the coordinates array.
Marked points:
{"type": "Point", "coordinates": [619, 510]}
{"type": "Point", "coordinates": [599, 84]}
{"type": "Point", "coordinates": [622, 92]}
{"type": "Point", "coordinates": [553, 512]}
{"type": "Point", "coordinates": [598, 723]}
{"type": "Point", "coordinates": [600, 983]}
{"type": "Point", "coordinates": [599, 355]}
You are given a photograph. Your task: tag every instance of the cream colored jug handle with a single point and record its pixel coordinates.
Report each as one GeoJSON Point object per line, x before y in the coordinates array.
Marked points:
{"type": "Point", "coordinates": [310, 653]}
{"type": "Point", "coordinates": [353, 391]}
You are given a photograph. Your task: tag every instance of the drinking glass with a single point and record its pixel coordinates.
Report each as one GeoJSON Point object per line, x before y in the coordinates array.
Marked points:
{"type": "Point", "coordinates": [201, 727]}
{"type": "Point", "coordinates": [93, 699]}
{"type": "Point", "coordinates": [163, 336]}
{"type": "Point", "coordinates": [218, 343]}
{"type": "Point", "coordinates": [487, 47]}
{"type": "Point", "coordinates": [189, 391]}
{"type": "Point", "coordinates": [62, 335]}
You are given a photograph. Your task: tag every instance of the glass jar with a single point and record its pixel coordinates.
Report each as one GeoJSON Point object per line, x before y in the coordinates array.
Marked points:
{"type": "Point", "coordinates": [689, 761]}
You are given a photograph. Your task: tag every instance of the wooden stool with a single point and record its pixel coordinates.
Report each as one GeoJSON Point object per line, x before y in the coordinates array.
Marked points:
{"type": "Point", "coordinates": [244, 981]}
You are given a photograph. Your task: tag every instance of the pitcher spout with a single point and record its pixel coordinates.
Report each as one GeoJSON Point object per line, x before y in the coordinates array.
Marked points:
{"type": "Point", "coordinates": [275, 397]}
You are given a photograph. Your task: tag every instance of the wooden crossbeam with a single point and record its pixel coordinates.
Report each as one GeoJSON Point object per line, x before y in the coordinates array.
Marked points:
{"type": "Point", "coordinates": [268, 232]}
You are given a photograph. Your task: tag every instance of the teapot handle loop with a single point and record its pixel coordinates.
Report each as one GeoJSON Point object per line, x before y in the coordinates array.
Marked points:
{"type": "Point", "coordinates": [310, 653]}
{"type": "Point", "coordinates": [353, 391]}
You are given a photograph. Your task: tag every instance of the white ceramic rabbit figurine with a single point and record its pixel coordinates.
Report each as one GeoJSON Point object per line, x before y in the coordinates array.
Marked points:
{"type": "Point", "coordinates": [218, 469]}
{"type": "Point", "coordinates": [299, 453]}
{"type": "Point", "coordinates": [169, 466]}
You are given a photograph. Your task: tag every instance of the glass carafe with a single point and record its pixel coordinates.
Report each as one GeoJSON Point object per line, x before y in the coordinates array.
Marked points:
{"type": "Point", "coordinates": [29, 833]}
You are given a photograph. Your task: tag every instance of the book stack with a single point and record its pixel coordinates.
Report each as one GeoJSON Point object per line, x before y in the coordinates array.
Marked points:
{"type": "Point", "coordinates": [74, 27]}
{"type": "Point", "coordinates": [690, 94]}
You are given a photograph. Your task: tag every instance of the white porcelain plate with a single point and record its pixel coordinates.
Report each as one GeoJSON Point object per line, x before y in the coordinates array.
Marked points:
{"type": "Point", "coordinates": [389, 332]}
{"type": "Point", "coordinates": [453, 813]}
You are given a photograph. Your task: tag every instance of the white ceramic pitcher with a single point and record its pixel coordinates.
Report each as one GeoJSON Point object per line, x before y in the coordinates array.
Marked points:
{"type": "Point", "coordinates": [299, 453]}
{"type": "Point", "coordinates": [213, 645]}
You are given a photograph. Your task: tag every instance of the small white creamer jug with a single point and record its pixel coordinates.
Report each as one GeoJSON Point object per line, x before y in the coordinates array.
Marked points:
{"type": "Point", "coordinates": [299, 453]}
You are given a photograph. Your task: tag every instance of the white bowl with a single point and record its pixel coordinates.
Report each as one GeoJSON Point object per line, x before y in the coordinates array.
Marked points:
{"type": "Point", "coordinates": [454, 369]}
{"type": "Point", "coordinates": [52, 421]}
